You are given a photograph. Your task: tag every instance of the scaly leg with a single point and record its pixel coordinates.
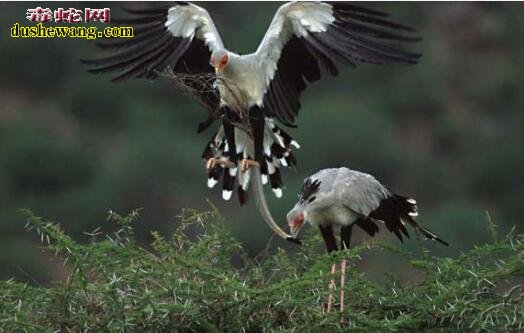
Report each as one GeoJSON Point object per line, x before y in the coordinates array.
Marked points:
{"type": "Point", "coordinates": [246, 164]}
{"type": "Point", "coordinates": [331, 245]}
{"type": "Point", "coordinates": [342, 283]}
{"type": "Point", "coordinates": [331, 287]}
{"type": "Point", "coordinates": [345, 234]}
{"type": "Point", "coordinates": [229, 130]}
{"type": "Point", "coordinates": [213, 161]}
{"type": "Point", "coordinates": [257, 123]}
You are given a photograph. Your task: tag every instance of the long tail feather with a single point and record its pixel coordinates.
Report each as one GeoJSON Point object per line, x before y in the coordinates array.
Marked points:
{"type": "Point", "coordinates": [263, 209]}
{"type": "Point", "coordinates": [409, 210]}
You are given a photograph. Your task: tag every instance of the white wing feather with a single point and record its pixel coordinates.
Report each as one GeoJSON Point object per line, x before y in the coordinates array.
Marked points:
{"type": "Point", "coordinates": [294, 18]}
{"type": "Point", "coordinates": [189, 21]}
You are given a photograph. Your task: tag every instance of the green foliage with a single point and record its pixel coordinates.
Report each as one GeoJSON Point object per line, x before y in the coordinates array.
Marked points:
{"type": "Point", "coordinates": [447, 131]}
{"type": "Point", "coordinates": [208, 283]}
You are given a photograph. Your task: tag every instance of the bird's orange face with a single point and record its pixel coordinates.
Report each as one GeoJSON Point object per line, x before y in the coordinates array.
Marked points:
{"type": "Point", "coordinates": [219, 63]}
{"type": "Point", "coordinates": [295, 224]}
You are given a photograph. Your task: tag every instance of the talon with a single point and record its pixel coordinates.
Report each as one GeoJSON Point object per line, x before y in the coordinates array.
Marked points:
{"type": "Point", "coordinates": [211, 163]}
{"type": "Point", "coordinates": [246, 164]}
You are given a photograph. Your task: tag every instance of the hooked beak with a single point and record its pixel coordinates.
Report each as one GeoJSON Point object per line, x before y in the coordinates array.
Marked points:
{"type": "Point", "coordinates": [219, 67]}
{"type": "Point", "coordinates": [294, 229]}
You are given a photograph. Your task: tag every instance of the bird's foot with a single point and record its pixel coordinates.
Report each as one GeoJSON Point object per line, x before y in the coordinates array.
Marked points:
{"type": "Point", "coordinates": [246, 164]}
{"type": "Point", "coordinates": [213, 162]}
{"type": "Point", "coordinates": [331, 287]}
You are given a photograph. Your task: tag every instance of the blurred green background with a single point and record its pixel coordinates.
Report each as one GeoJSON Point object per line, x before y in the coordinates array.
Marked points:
{"type": "Point", "coordinates": [448, 131]}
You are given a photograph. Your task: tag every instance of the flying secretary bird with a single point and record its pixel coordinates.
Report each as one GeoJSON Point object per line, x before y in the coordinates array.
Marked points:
{"type": "Point", "coordinates": [250, 93]}
{"type": "Point", "coordinates": [341, 198]}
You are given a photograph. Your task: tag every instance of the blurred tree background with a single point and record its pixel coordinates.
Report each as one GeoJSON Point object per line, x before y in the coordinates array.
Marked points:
{"type": "Point", "coordinates": [448, 131]}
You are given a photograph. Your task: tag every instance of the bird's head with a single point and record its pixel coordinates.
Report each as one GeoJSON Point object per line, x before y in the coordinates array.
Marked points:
{"type": "Point", "coordinates": [219, 60]}
{"type": "Point", "coordinates": [295, 220]}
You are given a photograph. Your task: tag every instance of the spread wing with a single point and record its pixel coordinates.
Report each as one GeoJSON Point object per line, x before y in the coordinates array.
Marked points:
{"type": "Point", "coordinates": [307, 39]}
{"type": "Point", "coordinates": [181, 37]}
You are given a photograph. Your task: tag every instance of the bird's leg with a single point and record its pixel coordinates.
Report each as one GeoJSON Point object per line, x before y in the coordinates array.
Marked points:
{"type": "Point", "coordinates": [331, 245]}
{"type": "Point", "coordinates": [247, 163]}
{"type": "Point", "coordinates": [229, 130]}
{"type": "Point", "coordinates": [211, 163]}
{"type": "Point", "coordinates": [257, 123]}
{"type": "Point", "coordinates": [228, 119]}
{"type": "Point", "coordinates": [331, 287]}
{"type": "Point", "coordinates": [345, 235]}
{"type": "Point", "coordinates": [342, 283]}
{"type": "Point", "coordinates": [214, 161]}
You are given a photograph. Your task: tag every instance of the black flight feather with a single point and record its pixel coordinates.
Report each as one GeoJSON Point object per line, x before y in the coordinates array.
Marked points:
{"type": "Point", "coordinates": [344, 6]}
{"type": "Point", "coordinates": [147, 11]}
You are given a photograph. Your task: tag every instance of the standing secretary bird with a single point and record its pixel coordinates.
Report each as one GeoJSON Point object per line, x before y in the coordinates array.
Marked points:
{"type": "Point", "coordinates": [250, 93]}
{"type": "Point", "coordinates": [340, 198]}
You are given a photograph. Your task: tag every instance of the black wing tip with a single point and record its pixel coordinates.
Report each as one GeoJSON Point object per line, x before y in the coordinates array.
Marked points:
{"type": "Point", "coordinates": [95, 71]}
{"type": "Point", "coordinates": [118, 79]}
{"type": "Point", "coordinates": [406, 28]}
{"type": "Point", "coordinates": [112, 43]}
{"type": "Point", "coordinates": [410, 59]}
{"type": "Point", "coordinates": [201, 127]}
{"type": "Point", "coordinates": [146, 11]}
{"type": "Point", "coordinates": [87, 61]}
{"type": "Point", "coordinates": [416, 56]}
{"type": "Point", "coordinates": [294, 240]}
{"type": "Point", "coordinates": [373, 20]}
{"type": "Point", "coordinates": [413, 60]}
{"type": "Point", "coordinates": [409, 39]}
{"type": "Point", "coordinates": [344, 5]}
{"type": "Point", "coordinates": [104, 46]}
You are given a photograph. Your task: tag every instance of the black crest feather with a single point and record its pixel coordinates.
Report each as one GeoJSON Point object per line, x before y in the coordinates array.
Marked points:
{"type": "Point", "coordinates": [307, 195]}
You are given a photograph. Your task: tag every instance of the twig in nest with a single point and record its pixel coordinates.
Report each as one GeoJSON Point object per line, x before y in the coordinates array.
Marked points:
{"type": "Point", "coordinates": [198, 85]}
